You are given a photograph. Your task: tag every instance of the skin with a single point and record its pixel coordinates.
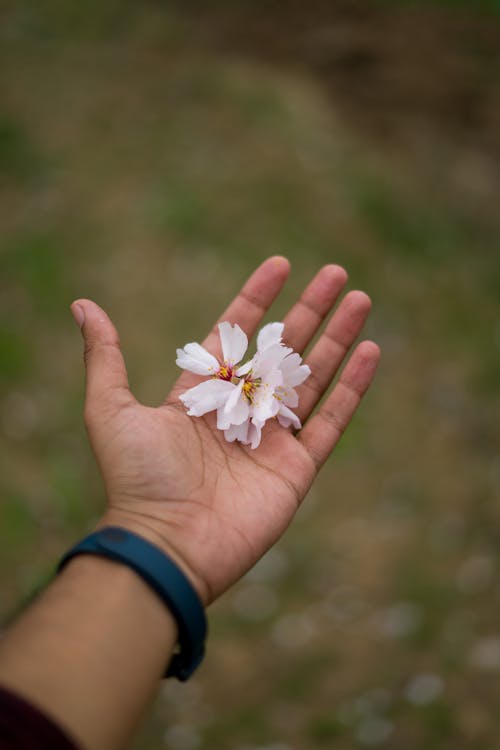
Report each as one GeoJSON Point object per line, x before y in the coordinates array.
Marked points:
{"type": "Point", "coordinates": [214, 507]}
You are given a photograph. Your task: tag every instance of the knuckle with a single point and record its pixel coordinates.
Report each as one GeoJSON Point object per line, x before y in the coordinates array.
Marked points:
{"type": "Point", "coordinates": [335, 421]}
{"type": "Point", "coordinates": [87, 352]}
{"type": "Point", "coordinates": [311, 308]}
{"type": "Point", "coordinates": [316, 455]}
{"type": "Point", "coordinates": [91, 347]}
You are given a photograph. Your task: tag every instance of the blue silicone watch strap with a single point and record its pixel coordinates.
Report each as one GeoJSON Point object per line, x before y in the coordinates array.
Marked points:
{"type": "Point", "coordinates": [169, 582]}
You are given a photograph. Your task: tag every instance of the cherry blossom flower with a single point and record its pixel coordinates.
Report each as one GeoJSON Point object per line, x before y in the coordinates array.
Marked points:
{"type": "Point", "coordinates": [212, 394]}
{"type": "Point", "coordinates": [254, 402]}
{"type": "Point", "coordinates": [293, 371]}
{"type": "Point", "coordinates": [245, 397]}
{"type": "Point", "coordinates": [195, 358]}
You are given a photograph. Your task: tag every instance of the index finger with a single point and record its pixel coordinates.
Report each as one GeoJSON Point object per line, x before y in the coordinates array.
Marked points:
{"type": "Point", "coordinates": [247, 309]}
{"type": "Point", "coordinates": [254, 299]}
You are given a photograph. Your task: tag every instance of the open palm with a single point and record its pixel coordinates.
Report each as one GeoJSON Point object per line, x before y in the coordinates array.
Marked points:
{"type": "Point", "coordinates": [215, 506]}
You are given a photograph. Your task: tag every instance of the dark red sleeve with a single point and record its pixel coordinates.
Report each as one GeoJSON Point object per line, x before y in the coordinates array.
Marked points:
{"type": "Point", "coordinates": [24, 727]}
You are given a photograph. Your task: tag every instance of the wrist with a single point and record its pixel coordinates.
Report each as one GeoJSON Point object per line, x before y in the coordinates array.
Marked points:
{"type": "Point", "coordinates": [156, 532]}
{"type": "Point", "coordinates": [167, 581]}
{"type": "Point", "coordinates": [125, 583]}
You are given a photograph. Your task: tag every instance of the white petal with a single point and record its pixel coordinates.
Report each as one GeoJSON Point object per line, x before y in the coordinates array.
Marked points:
{"type": "Point", "coordinates": [266, 410]}
{"type": "Point", "coordinates": [294, 372]}
{"type": "Point", "coordinates": [255, 434]}
{"type": "Point", "coordinates": [301, 374]}
{"type": "Point", "coordinates": [286, 417]}
{"type": "Point", "coordinates": [235, 410]}
{"type": "Point", "coordinates": [207, 396]}
{"type": "Point", "coordinates": [269, 359]}
{"type": "Point", "coordinates": [264, 405]}
{"type": "Point", "coordinates": [237, 432]}
{"type": "Point", "coordinates": [288, 396]}
{"type": "Point", "coordinates": [270, 383]}
{"type": "Point", "coordinates": [223, 420]}
{"type": "Point", "coordinates": [290, 363]}
{"type": "Point", "coordinates": [244, 369]}
{"type": "Point", "coordinates": [234, 342]}
{"type": "Point", "coordinates": [269, 335]}
{"type": "Point", "coordinates": [196, 359]}
{"type": "Point", "coordinates": [233, 400]}
{"type": "Point", "coordinates": [240, 411]}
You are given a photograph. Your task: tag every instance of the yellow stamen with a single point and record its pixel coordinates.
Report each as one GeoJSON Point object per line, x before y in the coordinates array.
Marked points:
{"type": "Point", "coordinates": [249, 388]}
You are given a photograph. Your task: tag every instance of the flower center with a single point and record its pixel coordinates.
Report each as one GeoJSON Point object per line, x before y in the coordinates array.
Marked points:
{"type": "Point", "coordinates": [225, 372]}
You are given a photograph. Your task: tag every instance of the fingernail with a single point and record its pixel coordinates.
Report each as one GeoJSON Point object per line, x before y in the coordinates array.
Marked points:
{"type": "Point", "coordinates": [78, 314]}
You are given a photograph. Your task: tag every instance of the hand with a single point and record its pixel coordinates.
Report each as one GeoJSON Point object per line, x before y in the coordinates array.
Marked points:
{"type": "Point", "coordinates": [213, 506]}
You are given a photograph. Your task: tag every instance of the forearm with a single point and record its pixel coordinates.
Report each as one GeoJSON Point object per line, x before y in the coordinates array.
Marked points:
{"type": "Point", "coordinates": [91, 651]}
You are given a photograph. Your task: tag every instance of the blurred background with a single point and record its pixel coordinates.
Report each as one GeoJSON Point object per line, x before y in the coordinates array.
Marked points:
{"type": "Point", "coordinates": [151, 155]}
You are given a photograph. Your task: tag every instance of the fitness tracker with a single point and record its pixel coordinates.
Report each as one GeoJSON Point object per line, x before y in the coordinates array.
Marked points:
{"type": "Point", "coordinates": [169, 582]}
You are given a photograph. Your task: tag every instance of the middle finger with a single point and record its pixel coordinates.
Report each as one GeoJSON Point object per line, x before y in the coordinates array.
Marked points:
{"type": "Point", "coordinates": [316, 301]}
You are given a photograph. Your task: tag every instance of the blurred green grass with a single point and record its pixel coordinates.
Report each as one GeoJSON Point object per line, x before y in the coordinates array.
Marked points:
{"type": "Point", "coordinates": [477, 6]}
{"type": "Point", "coordinates": [151, 174]}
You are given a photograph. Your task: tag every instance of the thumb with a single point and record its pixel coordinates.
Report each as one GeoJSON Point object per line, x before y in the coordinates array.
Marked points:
{"type": "Point", "coordinates": [106, 371]}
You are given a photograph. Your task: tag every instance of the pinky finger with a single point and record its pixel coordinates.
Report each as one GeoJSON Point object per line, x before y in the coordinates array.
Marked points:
{"type": "Point", "coordinates": [323, 431]}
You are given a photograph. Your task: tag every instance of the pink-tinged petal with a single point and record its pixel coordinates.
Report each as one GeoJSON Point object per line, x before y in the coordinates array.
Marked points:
{"type": "Point", "coordinates": [234, 342]}
{"type": "Point", "coordinates": [237, 432]}
{"type": "Point", "coordinates": [287, 418]}
{"type": "Point", "coordinates": [196, 359]}
{"type": "Point", "coordinates": [207, 396]}
{"type": "Point", "coordinates": [269, 335]}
